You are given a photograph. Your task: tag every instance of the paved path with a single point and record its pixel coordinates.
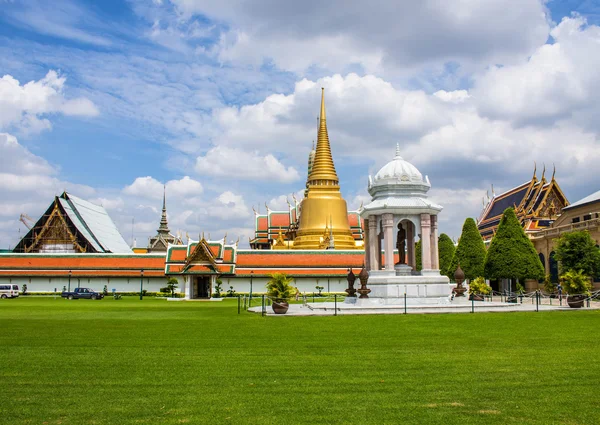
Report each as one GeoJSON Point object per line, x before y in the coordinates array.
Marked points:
{"type": "Point", "coordinates": [456, 306]}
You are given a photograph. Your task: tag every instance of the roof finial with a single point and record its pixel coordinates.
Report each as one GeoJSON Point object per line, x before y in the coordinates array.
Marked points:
{"type": "Point", "coordinates": [553, 171]}
{"type": "Point", "coordinates": [544, 172]}
{"type": "Point", "coordinates": [323, 170]}
{"type": "Point", "coordinates": [163, 228]}
{"type": "Point", "coordinates": [398, 151]}
{"type": "Point", "coordinates": [534, 169]}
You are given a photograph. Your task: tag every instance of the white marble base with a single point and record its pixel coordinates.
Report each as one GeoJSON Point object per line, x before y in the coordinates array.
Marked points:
{"type": "Point", "coordinates": [429, 285]}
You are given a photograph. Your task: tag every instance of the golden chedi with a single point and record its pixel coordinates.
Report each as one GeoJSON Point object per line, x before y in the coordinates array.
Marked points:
{"type": "Point", "coordinates": [323, 210]}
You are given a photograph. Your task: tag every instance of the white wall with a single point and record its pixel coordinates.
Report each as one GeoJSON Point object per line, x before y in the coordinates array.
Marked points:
{"type": "Point", "coordinates": [120, 284]}
{"type": "Point", "coordinates": [153, 284]}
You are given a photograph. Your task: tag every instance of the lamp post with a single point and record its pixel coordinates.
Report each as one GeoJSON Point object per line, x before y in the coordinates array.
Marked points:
{"type": "Point", "coordinates": [69, 281]}
{"type": "Point", "coordinates": [251, 274]}
{"type": "Point", "coordinates": [141, 283]}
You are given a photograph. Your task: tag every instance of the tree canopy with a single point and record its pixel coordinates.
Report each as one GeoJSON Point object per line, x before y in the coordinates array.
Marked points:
{"type": "Point", "coordinates": [418, 256]}
{"type": "Point", "coordinates": [577, 251]}
{"type": "Point", "coordinates": [446, 252]}
{"type": "Point", "coordinates": [470, 252]}
{"type": "Point", "coordinates": [511, 254]}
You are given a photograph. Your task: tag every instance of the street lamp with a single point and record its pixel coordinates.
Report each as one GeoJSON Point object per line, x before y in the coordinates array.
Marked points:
{"type": "Point", "coordinates": [69, 280]}
{"type": "Point", "coordinates": [141, 283]}
{"type": "Point", "coordinates": [251, 274]}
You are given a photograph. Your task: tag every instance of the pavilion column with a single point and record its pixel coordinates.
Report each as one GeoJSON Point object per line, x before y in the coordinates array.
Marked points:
{"type": "Point", "coordinates": [373, 243]}
{"type": "Point", "coordinates": [388, 235]}
{"type": "Point", "coordinates": [367, 246]}
{"type": "Point", "coordinates": [410, 245]}
{"type": "Point", "coordinates": [426, 241]}
{"type": "Point", "coordinates": [435, 258]}
{"type": "Point", "coordinates": [379, 256]}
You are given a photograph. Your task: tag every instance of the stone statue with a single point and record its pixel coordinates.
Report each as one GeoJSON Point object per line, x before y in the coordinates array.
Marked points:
{"type": "Point", "coordinates": [401, 244]}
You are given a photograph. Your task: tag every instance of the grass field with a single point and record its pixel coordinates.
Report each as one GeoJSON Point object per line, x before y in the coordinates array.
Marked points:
{"type": "Point", "coordinates": [159, 362]}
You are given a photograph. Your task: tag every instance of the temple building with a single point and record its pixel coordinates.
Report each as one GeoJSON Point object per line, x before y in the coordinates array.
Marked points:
{"type": "Point", "coordinates": [581, 215]}
{"type": "Point", "coordinates": [163, 237]}
{"type": "Point", "coordinates": [72, 225]}
{"type": "Point", "coordinates": [321, 220]}
{"type": "Point", "coordinates": [537, 204]}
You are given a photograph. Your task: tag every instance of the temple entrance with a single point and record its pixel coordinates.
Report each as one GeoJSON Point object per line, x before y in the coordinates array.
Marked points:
{"type": "Point", "coordinates": [201, 287]}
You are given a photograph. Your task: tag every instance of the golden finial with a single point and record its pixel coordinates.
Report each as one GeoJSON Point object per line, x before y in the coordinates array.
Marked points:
{"type": "Point", "coordinates": [209, 236]}
{"type": "Point", "coordinates": [294, 198]}
{"type": "Point", "coordinates": [493, 192]}
{"type": "Point", "coordinates": [202, 238]}
{"type": "Point", "coordinates": [267, 207]}
{"type": "Point", "coordinates": [534, 169]}
{"type": "Point", "coordinates": [553, 171]}
{"type": "Point", "coordinates": [255, 213]}
{"type": "Point", "coordinates": [225, 238]}
{"type": "Point", "coordinates": [361, 205]}
{"type": "Point", "coordinates": [544, 172]}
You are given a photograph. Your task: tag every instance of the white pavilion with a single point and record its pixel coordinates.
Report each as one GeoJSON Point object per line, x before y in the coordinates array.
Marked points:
{"type": "Point", "coordinates": [399, 211]}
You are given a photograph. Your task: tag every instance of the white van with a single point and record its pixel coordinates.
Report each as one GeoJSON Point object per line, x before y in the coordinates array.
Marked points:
{"type": "Point", "coordinates": [9, 291]}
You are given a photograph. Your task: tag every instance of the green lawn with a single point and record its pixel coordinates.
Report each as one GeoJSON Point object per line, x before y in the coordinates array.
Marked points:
{"type": "Point", "coordinates": [159, 362]}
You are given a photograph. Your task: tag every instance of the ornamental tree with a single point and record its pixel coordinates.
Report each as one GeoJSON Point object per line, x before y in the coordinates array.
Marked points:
{"type": "Point", "coordinates": [446, 251]}
{"type": "Point", "coordinates": [511, 254]}
{"type": "Point", "coordinates": [577, 251]}
{"type": "Point", "coordinates": [470, 253]}
{"type": "Point", "coordinates": [418, 256]}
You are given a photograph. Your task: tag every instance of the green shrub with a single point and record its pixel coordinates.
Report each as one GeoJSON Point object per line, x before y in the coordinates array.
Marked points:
{"type": "Point", "coordinates": [549, 286]}
{"type": "Point", "coordinates": [280, 287]}
{"type": "Point", "coordinates": [511, 254]}
{"type": "Point", "coordinates": [470, 252]}
{"type": "Point", "coordinates": [478, 286]}
{"type": "Point", "coordinates": [218, 288]}
{"type": "Point", "coordinates": [578, 251]}
{"type": "Point", "coordinates": [576, 283]}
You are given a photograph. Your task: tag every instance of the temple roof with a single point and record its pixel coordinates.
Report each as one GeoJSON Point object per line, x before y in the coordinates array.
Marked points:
{"type": "Point", "coordinates": [537, 204]}
{"type": "Point", "coordinates": [85, 225]}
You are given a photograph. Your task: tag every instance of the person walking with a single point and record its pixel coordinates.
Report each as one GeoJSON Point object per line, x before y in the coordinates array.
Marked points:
{"type": "Point", "coordinates": [559, 288]}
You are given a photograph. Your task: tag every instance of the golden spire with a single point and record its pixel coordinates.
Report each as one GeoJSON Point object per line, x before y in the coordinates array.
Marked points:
{"type": "Point", "coordinates": [323, 170]}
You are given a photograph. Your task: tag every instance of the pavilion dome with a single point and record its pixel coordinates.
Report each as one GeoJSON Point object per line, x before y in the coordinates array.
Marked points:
{"type": "Point", "coordinates": [398, 171]}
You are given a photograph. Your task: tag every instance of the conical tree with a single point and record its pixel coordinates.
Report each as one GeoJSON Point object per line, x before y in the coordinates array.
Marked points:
{"type": "Point", "coordinates": [470, 252]}
{"type": "Point", "coordinates": [446, 252]}
{"type": "Point", "coordinates": [511, 254]}
{"type": "Point", "coordinates": [418, 256]}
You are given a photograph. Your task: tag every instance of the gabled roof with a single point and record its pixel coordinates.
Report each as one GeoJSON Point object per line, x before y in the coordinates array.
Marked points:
{"type": "Point", "coordinates": [97, 224]}
{"type": "Point", "coordinates": [84, 226]}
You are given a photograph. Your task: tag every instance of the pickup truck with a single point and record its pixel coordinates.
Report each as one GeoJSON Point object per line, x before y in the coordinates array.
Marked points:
{"type": "Point", "coordinates": [82, 293]}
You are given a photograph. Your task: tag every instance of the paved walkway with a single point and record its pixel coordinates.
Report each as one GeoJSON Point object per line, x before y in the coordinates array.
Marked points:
{"type": "Point", "coordinates": [460, 305]}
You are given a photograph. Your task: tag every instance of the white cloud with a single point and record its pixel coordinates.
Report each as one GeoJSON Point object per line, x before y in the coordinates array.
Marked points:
{"type": "Point", "coordinates": [150, 188]}
{"type": "Point", "coordinates": [228, 206]}
{"type": "Point", "coordinates": [339, 33]}
{"type": "Point", "coordinates": [23, 106]}
{"type": "Point", "coordinates": [555, 83]}
{"type": "Point", "coordinates": [237, 164]}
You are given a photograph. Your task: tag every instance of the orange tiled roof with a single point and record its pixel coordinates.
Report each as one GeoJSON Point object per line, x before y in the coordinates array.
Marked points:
{"type": "Point", "coordinates": [279, 219]}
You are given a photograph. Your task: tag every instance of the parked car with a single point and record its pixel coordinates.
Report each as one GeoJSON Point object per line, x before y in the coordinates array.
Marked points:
{"type": "Point", "coordinates": [82, 293]}
{"type": "Point", "coordinates": [9, 291]}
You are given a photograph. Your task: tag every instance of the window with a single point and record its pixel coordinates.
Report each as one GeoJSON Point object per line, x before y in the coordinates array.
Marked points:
{"type": "Point", "coordinates": [4, 287]}
{"type": "Point", "coordinates": [587, 217]}
{"type": "Point", "coordinates": [15, 287]}
{"type": "Point", "coordinates": [575, 220]}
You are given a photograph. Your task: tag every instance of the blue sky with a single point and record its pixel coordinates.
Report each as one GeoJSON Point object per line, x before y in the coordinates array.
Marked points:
{"type": "Point", "coordinates": [110, 100]}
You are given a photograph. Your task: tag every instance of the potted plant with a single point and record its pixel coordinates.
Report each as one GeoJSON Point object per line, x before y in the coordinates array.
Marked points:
{"type": "Point", "coordinates": [280, 289]}
{"type": "Point", "coordinates": [577, 285]}
{"type": "Point", "coordinates": [478, 289]}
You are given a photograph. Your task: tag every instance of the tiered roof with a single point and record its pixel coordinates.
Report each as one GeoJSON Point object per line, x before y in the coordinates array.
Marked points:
{"type": "Point", "coordinates": [537, 204]}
